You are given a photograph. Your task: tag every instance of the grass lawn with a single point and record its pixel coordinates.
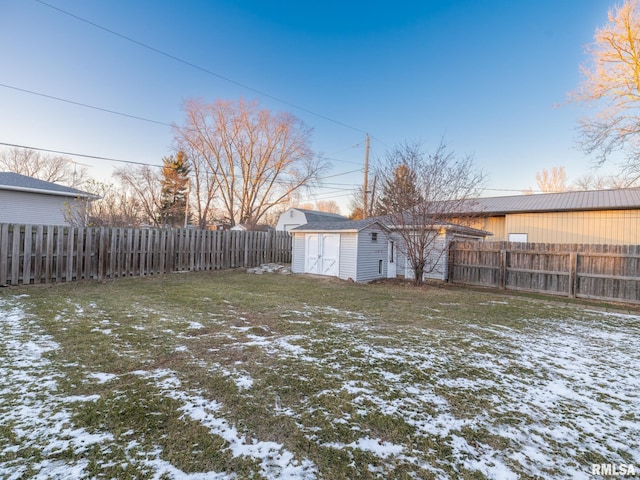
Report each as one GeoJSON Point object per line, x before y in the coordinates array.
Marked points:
{"type": "Point", "coordinates": [232, 375]}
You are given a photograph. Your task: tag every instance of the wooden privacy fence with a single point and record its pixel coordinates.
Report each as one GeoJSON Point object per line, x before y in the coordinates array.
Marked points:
{"type": "Point", "coordinates": [43, 254]}
{"type": "Point", "coordinates": [605, 272]}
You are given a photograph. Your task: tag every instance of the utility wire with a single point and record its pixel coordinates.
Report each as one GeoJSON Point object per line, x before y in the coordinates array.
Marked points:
{"type": "Point", "coordinates": [198, 67]}
{"type": "Point", "coordinates": [78, 154]}
{"type": "Point", "coordinates": [136, 117]}
{"type": "Point", "coordinates": [83, 104]}
{"type": "Point", "coordinates": [60, 152]}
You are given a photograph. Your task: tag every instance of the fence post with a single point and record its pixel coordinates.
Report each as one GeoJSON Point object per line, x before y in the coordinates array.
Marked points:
{"type": "Point", "coordinates": [4, 253]}
{"type": "Point", "coordinates": [15, 255]}
{"type": "Point", "coordinates": [26, 268]}
{"type": "Point", "coordinates": [502, 280]}
{"type": "Point", "coordinates": [449, 277]}
{"type": "Point", "coordinates": [573, 275]}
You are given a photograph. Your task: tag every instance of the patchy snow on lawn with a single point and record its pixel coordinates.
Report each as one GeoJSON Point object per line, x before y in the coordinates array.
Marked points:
{"type": "Point", "coordinates": [549, 396]}
{"type": "Point", "coordinates": [545, 400]}
{"type": "Point", "coordinates": [31, 407]}
{"type": "Point", "coordinates": [275, 460]}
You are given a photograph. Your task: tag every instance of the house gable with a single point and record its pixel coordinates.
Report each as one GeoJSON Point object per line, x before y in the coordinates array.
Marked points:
{"type": "Point", "coordinates": [295, 217]}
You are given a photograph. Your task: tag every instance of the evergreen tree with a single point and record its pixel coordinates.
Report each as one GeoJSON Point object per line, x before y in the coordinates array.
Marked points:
{"type": "Point", "coordinates": [175, 186]}
{"type": "Point", "coordinates": [399, 193]}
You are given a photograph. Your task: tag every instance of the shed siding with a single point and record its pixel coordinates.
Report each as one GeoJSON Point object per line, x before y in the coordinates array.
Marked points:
{"type": "Point", "coordinates": [32, 208]}
{"type": "Point", "coordinates": [370, 253]}
{"type": "Point", "coordinates": [348, 255]}
{"type": "Point", "coordinates": [297, 253]}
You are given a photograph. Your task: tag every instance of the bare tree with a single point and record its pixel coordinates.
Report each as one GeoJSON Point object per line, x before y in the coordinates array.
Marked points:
{"type": "Point", "coordinates": [256, 159]}
{"type": "Point", "coordinates": [144, 185]}
{"type": "Point", "coordinates": [556, 181]}
{"type": "Point", "coordinates": [329, 206]}
{"type": "Point", "coordinates": [445, 186]}
{"type": "Point", "coordinates": [553, 181]}
{"type": "Point", "coordinates": [50, 168]}
{"type": "Point", "coordinates": [612, 83]}
{"type": "Point", "coordinates": [113, 207]}
{"type": "Point", "coordinates": [203, 185]}
{"type": "Point", "coordinates": [599, 182]}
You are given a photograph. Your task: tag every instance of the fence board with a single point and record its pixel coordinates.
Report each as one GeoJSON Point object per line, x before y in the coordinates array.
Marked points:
{"type": "Point", "coordinates": [605, 272]}
{"type": "Point", "coordinates": [28, 243]}
{"type": "Point", "coordinates": [43, 254]}
{"type": "Point", "coordinates": [15, 255]}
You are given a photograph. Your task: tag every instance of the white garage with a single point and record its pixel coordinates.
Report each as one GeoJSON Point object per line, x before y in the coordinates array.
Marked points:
{"type": "Point", "coordinates": [356, 250]}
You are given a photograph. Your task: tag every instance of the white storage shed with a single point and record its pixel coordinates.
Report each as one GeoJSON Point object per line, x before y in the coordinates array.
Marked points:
{"type": "Point", "coordinates": [355, 250]}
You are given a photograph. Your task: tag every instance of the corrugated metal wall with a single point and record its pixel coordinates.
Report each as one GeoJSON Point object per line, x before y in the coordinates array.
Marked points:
{"type": "Point", "coordinates": [611, 227]}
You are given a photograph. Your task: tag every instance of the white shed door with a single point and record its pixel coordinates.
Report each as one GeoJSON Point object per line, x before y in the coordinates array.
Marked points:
{"type": "Point", "coordinates": [322, 254]}
{"type": "Point", "coordinates": [312, 260]}
{"type": "Point", "coordinates": [330, 254]}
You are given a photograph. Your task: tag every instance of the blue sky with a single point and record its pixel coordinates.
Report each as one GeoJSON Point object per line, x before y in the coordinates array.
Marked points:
{"type": "Point", "coordinates": [490, 76]}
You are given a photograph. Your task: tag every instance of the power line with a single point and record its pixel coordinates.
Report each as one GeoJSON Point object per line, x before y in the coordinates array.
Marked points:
{"type": "Point", "coordinates": [136, 117]}
{"type": "Point", "coordinates": [77, 154]}
{"type": "Point", "coordinates": [96, 157]}
{"type": "Point", "coordinates": [340, 174]}
{"type": "Point", "coordinates": [198, 67]}
{"type": "Point", "coordinates": [83, 104]}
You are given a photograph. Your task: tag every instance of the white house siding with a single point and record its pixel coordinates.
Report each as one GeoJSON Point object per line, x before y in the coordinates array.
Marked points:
{"type": "Point", "coordinates": [32, 208]}
{"type": "Point", "coordinates": [291, 219]}
{"type": "Point", "coordinates": [348, 255]}
{"type": "Point", "coordinates": [370, 254]}
{"type": "Point", "coordinates": [297, 253]}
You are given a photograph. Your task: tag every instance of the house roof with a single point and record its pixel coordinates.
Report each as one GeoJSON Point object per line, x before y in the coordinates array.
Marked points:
{"type": "Point", "coordinates": [22, 183]}
{"type": "Point", "coordinates": [315, 216]}
{"type": "Point", "coordinates": [619, 199]}
{"type": "Point", "coordinates": [339, 226]}
{"type": "Point", "coordinates": [408, 223]}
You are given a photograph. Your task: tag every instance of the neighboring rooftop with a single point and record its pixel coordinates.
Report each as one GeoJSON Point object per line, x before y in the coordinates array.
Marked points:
{"type": "Point", "coordinates": [314, 216]}
{"type": "Point", "coordinates": [17, 182]}
{"type": "Point", "coordinates": [620, 199]}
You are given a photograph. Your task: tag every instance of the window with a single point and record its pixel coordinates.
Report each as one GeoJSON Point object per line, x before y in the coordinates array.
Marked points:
{"type": "Point", "coordinates": [518, 237]}
{"type": "Point", "coordinates": [391, 251]}
{"type": "Point", "coordinates": [374, 237]}
{"type": "Point", "coordinates": [380, 266]}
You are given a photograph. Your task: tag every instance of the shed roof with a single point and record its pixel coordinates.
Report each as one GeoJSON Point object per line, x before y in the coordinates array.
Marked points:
{"type": "Point", "coordinates": [359, 225]}
{"type": "Point", "coordinates": [619, 199]}
{"type": "Point", "coordinates": [339, 226]}
{"type": "Point", "coordinates": [16, 182]}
